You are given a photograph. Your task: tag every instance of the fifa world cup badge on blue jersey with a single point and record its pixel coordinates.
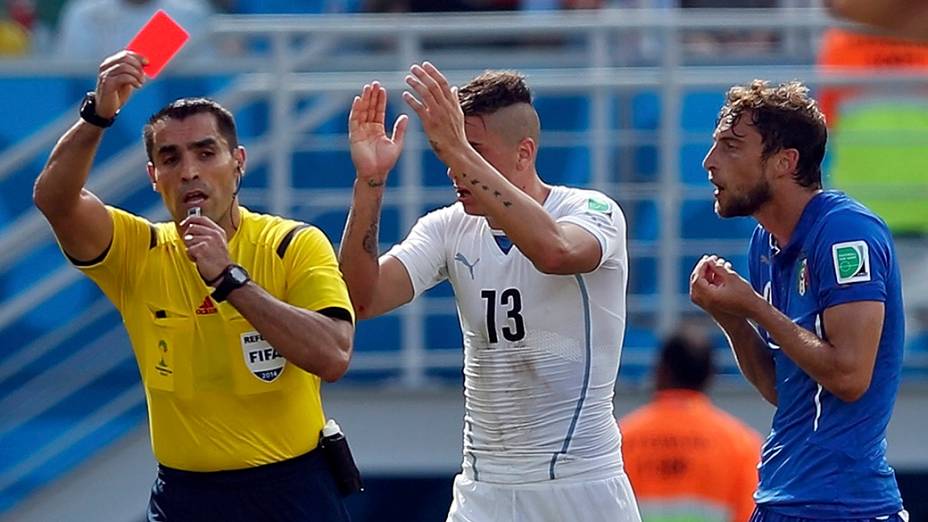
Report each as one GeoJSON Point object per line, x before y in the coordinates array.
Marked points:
{"type": "Point", "coordinates": [852, 261]}
{"type": "Point", "coordinates": [261, 358]}
{"type": "Point", "coordinates": [803, 276]}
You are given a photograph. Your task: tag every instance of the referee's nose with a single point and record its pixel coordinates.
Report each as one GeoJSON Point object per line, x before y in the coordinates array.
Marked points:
{"type": "Point", "coordinates": [189, 172]}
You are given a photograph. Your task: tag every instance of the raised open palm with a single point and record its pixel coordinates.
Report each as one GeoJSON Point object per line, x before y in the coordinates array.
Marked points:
{"type": "Point", "coordinates": [372, 151]}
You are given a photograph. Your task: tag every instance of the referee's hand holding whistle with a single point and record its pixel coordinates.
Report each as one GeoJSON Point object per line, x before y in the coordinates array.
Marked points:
{"type": "Point", "coordinates": [206, 246]}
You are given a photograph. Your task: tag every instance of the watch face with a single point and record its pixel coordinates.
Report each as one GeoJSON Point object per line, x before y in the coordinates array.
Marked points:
{"type": "Point", "coordinates": [239, 275]}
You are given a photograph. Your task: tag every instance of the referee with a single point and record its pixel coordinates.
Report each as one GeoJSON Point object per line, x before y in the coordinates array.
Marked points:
{"type": "Point", "coordinates": [234, 316]}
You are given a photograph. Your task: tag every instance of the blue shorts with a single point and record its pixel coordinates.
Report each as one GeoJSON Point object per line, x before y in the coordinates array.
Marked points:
{"type": "Point", "coordinates": [298, 489]}
{"type": "Point", "coordinates": [765, 515]}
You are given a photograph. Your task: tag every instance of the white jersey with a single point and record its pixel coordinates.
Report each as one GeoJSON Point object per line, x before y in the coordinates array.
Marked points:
{"type": "Point", "coordinates": [541, 352]}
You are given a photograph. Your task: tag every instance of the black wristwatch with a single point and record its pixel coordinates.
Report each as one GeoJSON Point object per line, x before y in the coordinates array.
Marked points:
{"type": "Point", "coordinates": [232, 278]}
{"type": "Point", "coordinates": [89, 112]}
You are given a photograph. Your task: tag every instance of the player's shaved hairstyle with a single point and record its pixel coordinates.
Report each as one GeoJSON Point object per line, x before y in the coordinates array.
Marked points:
{"type": "Point", "coordinates": [182, 109]}
{"type": "Point", "coordinates": [786, 118]}
{"type": "Point", "coordinates": [503, 94]}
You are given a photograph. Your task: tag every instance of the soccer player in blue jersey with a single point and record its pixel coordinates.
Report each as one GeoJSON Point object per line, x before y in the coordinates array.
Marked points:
{"type": "Point", "coordinates": [824, 294]}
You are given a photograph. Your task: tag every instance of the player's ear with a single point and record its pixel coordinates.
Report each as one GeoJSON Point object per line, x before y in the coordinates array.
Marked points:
{"type": "Point", "coordinates": [787, 161]}
{"type": "Point", "coordinates": [525, 153]}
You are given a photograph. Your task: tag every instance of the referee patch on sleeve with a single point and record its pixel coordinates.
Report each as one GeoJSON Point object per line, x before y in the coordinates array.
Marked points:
{"type": "Point", "coordinates": [852, 262]}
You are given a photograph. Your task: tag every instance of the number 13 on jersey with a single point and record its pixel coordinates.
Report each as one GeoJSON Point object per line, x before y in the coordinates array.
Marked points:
{"type": "Point", "coordinates": [510, 301]}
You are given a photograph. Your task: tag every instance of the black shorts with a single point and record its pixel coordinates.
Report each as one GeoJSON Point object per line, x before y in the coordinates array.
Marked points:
{"type": "Point", "coordinates": [294, 490]}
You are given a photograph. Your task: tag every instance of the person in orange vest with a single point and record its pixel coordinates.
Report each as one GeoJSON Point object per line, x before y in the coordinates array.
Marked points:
{"type": "Point", "coordinates": [847, 50]}
{"type": "Point", "coordinates": [686, 458]}
{"type": "Point", "coordinates": [901, 18]}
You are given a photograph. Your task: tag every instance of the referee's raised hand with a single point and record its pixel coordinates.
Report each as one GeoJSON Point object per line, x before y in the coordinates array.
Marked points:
{"type": "Point", "coordinates": [120, 75]}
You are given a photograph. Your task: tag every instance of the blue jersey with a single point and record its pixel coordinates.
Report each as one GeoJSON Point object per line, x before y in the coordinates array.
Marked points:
{"type": "Point", "coordinates": [825, 458]}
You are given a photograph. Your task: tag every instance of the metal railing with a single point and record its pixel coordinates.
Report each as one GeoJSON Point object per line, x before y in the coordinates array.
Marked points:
{"type": "Point", "coordinates": [602, 56]}
{"type": "Point", "coordinates": [561, 53]}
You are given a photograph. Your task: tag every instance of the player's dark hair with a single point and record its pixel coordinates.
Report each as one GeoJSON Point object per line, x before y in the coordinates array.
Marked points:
{"type": "Point", "coordinates": [184, 108]}
{"type": "Point", "coordinates": [786, 118]}
{"type": "Point", "coordinates": [686, 362]}
{"type": "Point", "coordinates": [492, 91]}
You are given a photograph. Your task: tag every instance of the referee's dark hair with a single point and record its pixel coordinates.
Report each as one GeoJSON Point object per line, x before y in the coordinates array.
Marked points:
{"type": "Point", "coordinates": [685, 362]}
{"type": "Point", "coordinates": [182, 109]}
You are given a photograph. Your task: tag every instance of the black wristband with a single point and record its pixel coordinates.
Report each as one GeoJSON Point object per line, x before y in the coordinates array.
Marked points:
{"type": "Point", "coordinates": [233, 278]}
{"type": "Point", "coordinates": [89, 114]}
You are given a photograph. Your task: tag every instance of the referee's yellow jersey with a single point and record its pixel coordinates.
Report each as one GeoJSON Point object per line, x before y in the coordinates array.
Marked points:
{"type": "Point", "coordinates": [219, 396]}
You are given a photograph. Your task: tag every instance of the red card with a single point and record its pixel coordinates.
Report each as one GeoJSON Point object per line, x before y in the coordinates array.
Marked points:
{"type": "Point", "coordinates": [158, 40]}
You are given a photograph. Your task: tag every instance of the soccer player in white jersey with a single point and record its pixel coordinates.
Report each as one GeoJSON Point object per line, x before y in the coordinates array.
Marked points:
{"type": "Point", "coordinates": [539, 275]}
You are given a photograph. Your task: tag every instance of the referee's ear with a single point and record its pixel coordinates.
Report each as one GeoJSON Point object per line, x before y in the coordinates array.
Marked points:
{"type": "Point", "coordinates": [240, 157]}
{"type": "Point", "coordinates": [152, 175]}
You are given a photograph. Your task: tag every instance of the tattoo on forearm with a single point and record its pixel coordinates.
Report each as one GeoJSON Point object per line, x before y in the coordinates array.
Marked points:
{"type": "Point", "coordinates": [370, 240]}
{"type": "Point", "coordinates": [373, 183]}
{"type": "Point", "coordinates": [497, 194]}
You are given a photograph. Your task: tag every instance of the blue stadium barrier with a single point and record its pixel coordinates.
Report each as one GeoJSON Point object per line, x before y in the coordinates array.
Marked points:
{"type": "Point", "coordinates": [41, 99]}
{"type": "Point", "coordinates": [639, 348]}
{"type": "Point", "coordinates": [698, 220]}
{"type": "Point", "coordinates": [324, 169]}
{"type": "Point", "coordinates": [51, 441]}
{"type": "Point", "coordinates": [311, 170]}
{"type": "Point", "coordinates": [644, 219]}
{"type": "Point", "coordinates": [642, 275]}
{"type": "Point", "coordinates": [61, 306]}
{"type": "Point", "coordinates": [443, 331]}
{"type": "Point", "coordinates": [380, 334]}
